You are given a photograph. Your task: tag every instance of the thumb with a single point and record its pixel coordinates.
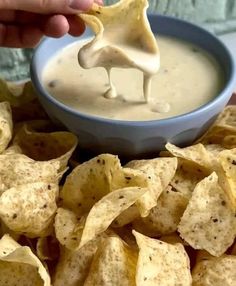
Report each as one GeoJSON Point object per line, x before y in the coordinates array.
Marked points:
{"type": "Point", "coordinates": [47, 6]}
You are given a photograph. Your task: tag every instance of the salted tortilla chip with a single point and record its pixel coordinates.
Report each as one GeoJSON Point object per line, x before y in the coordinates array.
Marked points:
{"type": "Point", "coordinates": [16, 93]}
{"type": "Point", "coordinates": [126, 217]}
{"type": "Point", "coordinates": [229, 141]}
{"type": "Point", "coordinates": [13, 149]}
{"type": "Point", "coordinates": [125, 233]}
{"type": "Point", "coordinates": [160, 172]}
{"type": "Point", "coordinates": [227, 117]}
{"type": "Point", "coordinates": [19, 266]}
{"type": "Point", "coordinates": [17, 169]}
{"type": "Point", "coordinates": [89, 182]}
{"type": "Point", "coordinates": [203, 255]}
{"type": "Point", "coordinates": [31, 110]}
{"type": "Point", "coordinates": [208, 222]}
{"type": "Point", "coordinates": [68, 228]}
{"type": "Point", "coordinates": [217, 271]}
{"type": "Point", "coordinates": [172, 238]}
{"type": "Point", "coordinates": [117, 38]}
{"type": "Point", "coordinates": [233, 250]}
{"type": "Point", "coordinates": [227, 177]}
{"type": "Point", "coordinates": [39, 146]}
{"type": "Point", "coordinates": [187, 175]}
{"type": "Point", "coordinates": [5, 230]}
{"type": "Point", "coordinates": [6, 125]}
{"type": "Point", "coordinates": [29, 208]}
{"type": "Point", "coordinates": [223, 126]}
{"type": "Point", "coordinates": [73, 266]}
{"type": "Point", "coordinates": [47, 248]}
{"type": "Point", "coordinates": [165, 216]}
{"type": "Point", "coordinates": [94, 179]}
{"type": "Point", "coordinates": [195, 153]}
{"type": "Point", "coordinates": [114, 264]}
{"type": "Point", "coordinates": [39, 125]}
{"type": "Point", "coordinates": [107, 209]}
{"type": "Point", "coordinates": [160, 263]}
{"type": "Point", "coordinates": [214, 149]}
{"type": "Point", "coordinates": [216, 135]}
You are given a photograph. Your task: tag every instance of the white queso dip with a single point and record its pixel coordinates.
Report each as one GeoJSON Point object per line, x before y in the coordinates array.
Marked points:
{"type": "Point", "coordinates": [188, 78]}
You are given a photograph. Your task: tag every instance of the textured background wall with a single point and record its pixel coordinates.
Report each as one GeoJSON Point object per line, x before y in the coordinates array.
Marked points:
{"type": "Point", "coordinates": [217, 15]}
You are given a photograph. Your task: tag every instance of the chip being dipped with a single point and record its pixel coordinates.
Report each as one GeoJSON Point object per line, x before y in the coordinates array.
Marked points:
{"type": "Point", "coordinates": [118, 42]}
{"type": "Point", "coordinates": [5, 125]}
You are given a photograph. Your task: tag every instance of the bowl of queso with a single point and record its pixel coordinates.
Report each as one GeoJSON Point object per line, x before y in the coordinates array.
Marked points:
{"type": "Point", "coordinates": [195, 81]}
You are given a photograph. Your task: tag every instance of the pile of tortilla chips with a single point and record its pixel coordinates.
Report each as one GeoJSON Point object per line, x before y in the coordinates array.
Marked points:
{"type": "Point", "coordinates": [164, 221]}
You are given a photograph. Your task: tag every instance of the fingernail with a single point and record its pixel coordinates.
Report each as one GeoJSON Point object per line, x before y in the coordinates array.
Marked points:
{"type": "Point", "coordinates": [82, 5]}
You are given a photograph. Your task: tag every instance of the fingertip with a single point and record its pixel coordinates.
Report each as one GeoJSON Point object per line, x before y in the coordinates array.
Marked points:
{"type": "Point", "coordinates": [83, 5]}
{"type": "Point", "coordinates": [56, 26]}
{"type": "Point", "coordinates": [77, 26]}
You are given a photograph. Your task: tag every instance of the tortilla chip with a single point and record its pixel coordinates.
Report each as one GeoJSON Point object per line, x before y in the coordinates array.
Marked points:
{"type": "Point", "coordinates": [195, 153]}
{"type": "Point", "coordinates": [203, 255]}
{"type": "Point", "coordinates": [31, 110]}
{"type": "Point", "coordinates": [214, 149]}
{"type": "Point", "coordinates": [16, 93]}
{"type": "Point", "coordinates": [160, 263]}
{"type": "Point", "coordinates": [227, 117]}
{"type": "Point", "coordinates": [68, 228]}
{"type": "Point", "coordinates": [187, 176]}
{"type": "Point", "coordinates": [13, 149]}
{"type": "Point", "coordinates": [29, 208]}
{"type": "Point", "coordinates": [73, 266]}
{"type": "Point", "coordinates": [216, 135]}
{"type": "Point", "coordinates": [47, 248]}
{"type": "Point", "coordinates": [223, 126]}
{"type": "Point", "coordinates": [172, 238]}
{"type": "Point", "coordinates": [233, 250]}
{"type": "Point", "coordinates": [39, 125]}
{"type": "Point", "coordinates": [17, 169]}
{"type": "Point", "coordinates": [165, 216]}
{"type": "Point", "coordinates": [215, 271]}
{"type": "Point", "coordinates": [227, 178]}
{"type": "Point", "coordinates": [114, 264]}
{"type": "Point", "coordinates": [5, 125]}
{"type": "Point", "coordinates": [208, 222]}
{"type": "Point", "coordinates": [160, 172]}
{"type": "Point", "coordinates": [125, 233]}
{"type": "Point", "coordinates": [94, 179]}
{"type": "Point", "coordinates": [19, 266]}
{"type": "Point", "coordinates": [107, 209]}
{"type": "Point", "coordinates": [5, 230]}
{"type": "Point", "coordinates": [229, 142]}
{"type": "Point", "coordinates": [127, 15]}
{"type": "Point", "coordinates": [57, 146]}
{"type": "Point", "coordinates": [89, 182]}
{"type": "Point", "coordinates": [126, 217]}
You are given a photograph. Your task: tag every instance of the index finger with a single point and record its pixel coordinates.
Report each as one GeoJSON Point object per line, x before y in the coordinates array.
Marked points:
{"type": "Point", "coordinates": [48, 6]}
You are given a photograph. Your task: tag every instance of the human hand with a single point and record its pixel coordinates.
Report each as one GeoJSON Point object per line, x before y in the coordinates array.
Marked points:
{"type": "Point", "coordinates": [24, 22]}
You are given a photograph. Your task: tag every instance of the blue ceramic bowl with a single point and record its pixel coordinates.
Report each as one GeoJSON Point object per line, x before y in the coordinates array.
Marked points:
{"type": "Point", "coordinates": [138, 138]}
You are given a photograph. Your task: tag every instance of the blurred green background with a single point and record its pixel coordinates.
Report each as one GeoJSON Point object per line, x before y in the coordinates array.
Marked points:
{"type": "Point", "coordinates": [218, 16]}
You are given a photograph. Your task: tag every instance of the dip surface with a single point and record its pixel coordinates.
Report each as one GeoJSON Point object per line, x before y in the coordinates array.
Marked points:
{"type": "Point", "coordinates": [188, 78]}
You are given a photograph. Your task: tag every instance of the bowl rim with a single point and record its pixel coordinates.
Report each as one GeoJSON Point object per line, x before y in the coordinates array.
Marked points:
{"type": "Point", "coordinates": [229, 84]}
